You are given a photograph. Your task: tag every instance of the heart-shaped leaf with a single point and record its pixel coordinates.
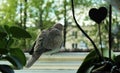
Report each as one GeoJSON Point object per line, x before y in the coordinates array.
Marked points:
{"type": "Point", "coordinates": [14, 61]}
{"type": "Point", "coordinates": [19, 54]}
{"type": "Point", "coordinates": [19, 32]}
{"type": "Point", "coordinates": [98, 15]}
{"type": "Point", "coordinates": [16, 57]}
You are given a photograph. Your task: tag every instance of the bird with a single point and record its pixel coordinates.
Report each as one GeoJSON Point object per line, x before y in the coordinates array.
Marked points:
{"type": "Point", "coordinates": [49, 40]}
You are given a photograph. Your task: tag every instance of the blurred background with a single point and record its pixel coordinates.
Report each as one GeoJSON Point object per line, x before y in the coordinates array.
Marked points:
{"type": "Point", "coordinates": [37, 15]}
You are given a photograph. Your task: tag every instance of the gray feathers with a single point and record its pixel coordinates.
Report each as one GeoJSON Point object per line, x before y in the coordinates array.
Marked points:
{"type": "Point", "coordinates": [50, 39]}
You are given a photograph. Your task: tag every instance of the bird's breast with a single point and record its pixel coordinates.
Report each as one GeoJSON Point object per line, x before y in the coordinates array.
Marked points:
{"type": "Point", "coordinates": [53, 42]}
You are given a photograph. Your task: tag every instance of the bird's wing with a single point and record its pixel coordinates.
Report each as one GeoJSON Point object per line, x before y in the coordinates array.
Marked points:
{"type": "Point", "coordinates": [38, 49]}
{"type": "Point", "coordinates": [38, 40]}
{"type": "Point", "coordinates": [32, 49]}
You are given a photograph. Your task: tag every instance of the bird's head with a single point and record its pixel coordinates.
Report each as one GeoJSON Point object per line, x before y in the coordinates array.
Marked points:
{"type": "Point", "coordinates": [58, 26]}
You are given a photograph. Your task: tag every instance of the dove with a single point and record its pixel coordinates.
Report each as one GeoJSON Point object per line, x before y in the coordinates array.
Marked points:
{"type": "Point", "coordinates": [49, 40]}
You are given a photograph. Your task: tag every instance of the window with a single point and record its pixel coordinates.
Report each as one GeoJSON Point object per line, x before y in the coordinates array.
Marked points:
{"type": "Point", "coordinates": [74, 34]}
{"type": "Point", "coordinates": [74, 45]}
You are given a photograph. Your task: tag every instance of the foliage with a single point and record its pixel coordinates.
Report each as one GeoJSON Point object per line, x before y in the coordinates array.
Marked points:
{"type": "Point", "coordinates": [8, 12]}
{"type": "Point", "coordinates": [102, 60]}
{"type": "Point", "coordinates": [12, 54]}
{"type": "Point", "coordinates": [40, 14]}
{"type": "Point", "coordinates": [99, 60]}
{"type": "Point", "coordinates": [92, 63]}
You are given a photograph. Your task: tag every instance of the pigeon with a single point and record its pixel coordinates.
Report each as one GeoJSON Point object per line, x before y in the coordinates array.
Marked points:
{"type": "Point", "coordinates": [49, 40]}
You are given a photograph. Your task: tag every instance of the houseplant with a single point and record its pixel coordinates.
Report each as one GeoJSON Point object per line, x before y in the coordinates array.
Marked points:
{"type": "Point", "coordinates": [100, 60]}
{"type": "Point", "coordinates": [14, 55]}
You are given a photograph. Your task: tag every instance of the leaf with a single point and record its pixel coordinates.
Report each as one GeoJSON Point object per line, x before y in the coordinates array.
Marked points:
{"type": "Point", "coordinates": [6, 69]}
{"type": "Point", "coordinates": [19, 54]}
{"type": "Point", "coordinates": [7, 29]}
{"type": "Point", "coordinates": [14, 61]}
{"type": "Point", "coordinates": [90, 69]}
{"type": "Point", "coordinates": [3, 51]}
{"type": "Point", "coordinates": [2, 35]}
{"type": "Point", "coordinates": [1, 29]}
{"type": "Point", "coordinates": [16, 57]}
{"type": "Point", "coordinates": [19, 32]}
{"type": "Point", "coordinates": [3, 43]}
{"type": "Point", "coordinates": [91, 59]}
{"type": "Point", "coordinates": [10, 42]}
{"type": "Point", "coordinates": [88, 62]}
{"type": "Point", "coordinates": [117, 59]}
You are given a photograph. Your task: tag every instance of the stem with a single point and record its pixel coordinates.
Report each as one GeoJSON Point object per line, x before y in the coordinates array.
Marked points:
{"type": "Point", "coordinates": [110, 36]}
{"type": "Point", "coordinates": [65, 24]}
{"type": "Point", "coordinates": [7, 43]}
{"type": "Point", "coordinates": [95, 47]}
{"type": "Point", "coordinates": [100, 39]}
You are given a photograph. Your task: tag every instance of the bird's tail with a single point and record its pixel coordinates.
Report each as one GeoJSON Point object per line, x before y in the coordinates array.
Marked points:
{"type": "Point", "coordinates": [33, 59]}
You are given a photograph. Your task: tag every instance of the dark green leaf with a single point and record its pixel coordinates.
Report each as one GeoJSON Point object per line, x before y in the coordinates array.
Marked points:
{"type": "Point", "coordinates": [91, 59]}
{"type": "Point", "coordinates": [3, 35]}
{"type": "Point", "coordinates": [88, 62]}
{"type": "Point", "coordinates": [10, 42]}
{"type": "Point", "coordinates": [16, 52]}
{"type": "Point", "coordinates": [3, 43]}
{"type": "Point", "coordinates": [3, 51]}
{"type": "Point", "coordinates": [14, 61]}
{"type": "Point", "coordinates": [7, 29]}
{"type": "Point", "coordinates": [19, 32]}
{"type": "Point", "coordinates": [16, 57]}
{"type": "Point", "coordinates": [117, 59]}
{"type": "Point", "coordinates": [6, 69]}
{"type": "Point", "coordinates": [2, 29]}
{"type": "Point", "coordinates": [90, 69]}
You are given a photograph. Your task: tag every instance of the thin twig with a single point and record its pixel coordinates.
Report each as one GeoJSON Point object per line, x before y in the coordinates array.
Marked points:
{"type": "Point", "coordinates": [110, 36]}
{"type": "Point", "coordinates": [100, 39]}
{"type": "Point", "coordinates": [95, 47]}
